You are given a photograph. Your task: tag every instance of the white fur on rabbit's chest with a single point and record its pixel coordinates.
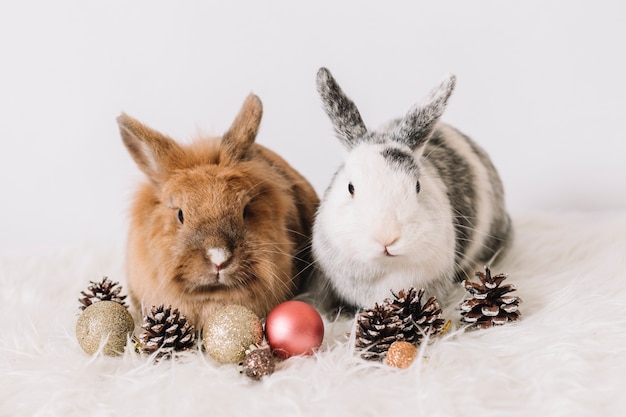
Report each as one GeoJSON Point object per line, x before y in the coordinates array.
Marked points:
{"type": "Point", "coordinates": [366, 283]}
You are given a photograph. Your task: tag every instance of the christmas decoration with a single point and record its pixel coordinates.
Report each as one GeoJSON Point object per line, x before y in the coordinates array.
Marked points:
{"type": "Point", "coordinates": [376, 329]}
{"type": "Point", "coordinates": [229, 331]}
{"type": "Point", "coordinates": [294, 328]}
{"type": "Point", "coordinates": [166, 332]}
{"type": "Point", "coordinates": [107, 324]}
{"type": "Point", "coordinates": [418, 320]}
{"type": "Point", "coordinates": [490, 305]}
{"type": "Point", "coordinates": [401, 318]}
{"type": "Point", "coordinates": [258, 363]}
{"type": "Point", "coordinates": [105, 290]}
{"type": "Point", "coordinates": [401, 354]}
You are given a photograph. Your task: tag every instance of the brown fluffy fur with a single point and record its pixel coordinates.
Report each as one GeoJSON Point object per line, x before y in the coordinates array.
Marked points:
{"type": "Point", "coordinates": [235, 195]}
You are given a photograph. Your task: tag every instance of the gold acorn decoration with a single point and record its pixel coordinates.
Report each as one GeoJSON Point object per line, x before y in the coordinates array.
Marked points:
{"type": "Point", "coordinates": [166, 331]}
{"type": "Point", "coordinates": [104, 290]}
{"type": "Point", "coordinates": [491, 304]}
{"type": "Point", "coordinates": [401, 354]}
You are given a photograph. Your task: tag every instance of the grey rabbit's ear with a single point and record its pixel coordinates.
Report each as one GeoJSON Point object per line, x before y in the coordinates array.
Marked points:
{"type": "Point", "coordinates": [419, 123]}
{"type": "Point", "coordinates": [343, 113]}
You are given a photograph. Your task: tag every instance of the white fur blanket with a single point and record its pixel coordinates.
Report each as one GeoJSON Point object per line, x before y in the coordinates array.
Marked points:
{"type": "Point", "coordinates": [566, 357]}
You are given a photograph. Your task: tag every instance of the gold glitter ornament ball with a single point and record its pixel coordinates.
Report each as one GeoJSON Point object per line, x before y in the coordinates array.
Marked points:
{"type": "Point", "coordinates": [401, 354]}
{"type": "Point", "coordinates": [229, 331]}
{"type": "Point", "coordinates": [106, 323]}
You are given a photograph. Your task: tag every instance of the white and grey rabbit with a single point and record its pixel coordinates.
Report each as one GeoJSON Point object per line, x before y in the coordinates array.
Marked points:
{"type": "Point", "coordinates": [417, 204]}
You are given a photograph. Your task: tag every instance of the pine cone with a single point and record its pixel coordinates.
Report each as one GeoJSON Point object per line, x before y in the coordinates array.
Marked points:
{"type": "Point", "coordinates": [106, 290]}
{"type": "Point", "coordinates": [376, 329]}
{"type": "Point", "coordinates": [489, 305]}
{"type": "Point", "coordinates": [418, 320]}
{"type": "Point", "coordinates": [166, 331]}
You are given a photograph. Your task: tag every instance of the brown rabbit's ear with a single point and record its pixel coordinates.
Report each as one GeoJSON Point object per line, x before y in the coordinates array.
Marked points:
{"type": "Point", "coordinates": [237, 141]}
{"type": "Point", "coordinates": [155, 154]}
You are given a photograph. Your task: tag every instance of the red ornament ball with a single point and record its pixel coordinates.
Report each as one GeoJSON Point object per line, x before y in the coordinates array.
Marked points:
{"type": "Point", "coordinates": [294, 328]}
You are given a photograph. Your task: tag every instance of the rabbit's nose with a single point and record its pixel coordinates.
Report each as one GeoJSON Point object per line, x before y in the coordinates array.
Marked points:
{"type": "Point", "coordinates": [387, 243]}
{"type": "Point", "coordinates": [387, 235]}
{"type": "Point", "coordinates": [219, 257]}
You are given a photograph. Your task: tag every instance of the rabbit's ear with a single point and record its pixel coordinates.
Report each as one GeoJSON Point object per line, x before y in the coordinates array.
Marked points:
{"type": "Point", "coordinates": [237, 141]}
{"type": "Point", "coordinates": [154, 153]}
{"type": "Point", "coordinates": [343, 113]}
{"type": "Point", "coordinates": [419, 123]}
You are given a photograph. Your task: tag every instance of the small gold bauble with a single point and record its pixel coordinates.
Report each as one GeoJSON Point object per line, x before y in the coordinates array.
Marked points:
{"type": "Point", "coordinates": [401, 354]}
{"type": "Point", "coordinates": [104, 320]}
{"type": "Point", "coordinates": [231, 330]}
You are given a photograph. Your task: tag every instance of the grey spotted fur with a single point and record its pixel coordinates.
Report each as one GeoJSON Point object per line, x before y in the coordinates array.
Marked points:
{"type": "Point", "coordinates": [411, 144]}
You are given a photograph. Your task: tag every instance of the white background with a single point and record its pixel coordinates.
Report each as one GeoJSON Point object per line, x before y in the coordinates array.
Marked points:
{"type": "Point", "coordinates": [541, 85]}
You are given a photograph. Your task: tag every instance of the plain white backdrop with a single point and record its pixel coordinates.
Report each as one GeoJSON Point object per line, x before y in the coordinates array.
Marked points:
{"type": "Point", "coordinates": [541, 86]}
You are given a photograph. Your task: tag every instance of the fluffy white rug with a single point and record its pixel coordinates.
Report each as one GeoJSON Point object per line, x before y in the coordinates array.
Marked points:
{"type": "Point", "coordinates": [567, 356]}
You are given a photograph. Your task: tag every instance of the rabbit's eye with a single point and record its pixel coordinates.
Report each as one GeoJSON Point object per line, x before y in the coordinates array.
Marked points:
{"type": "Point", "coordinates": [351, 188]}
{"type": "Point", "coordinates": [418, 187]}
{"type": "Point", "coordinates": [181, 218]}
{"type": "Point", "coordinates": [246, 212]}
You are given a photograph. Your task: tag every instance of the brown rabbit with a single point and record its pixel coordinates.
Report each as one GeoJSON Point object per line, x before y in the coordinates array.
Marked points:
{"type": "Point", "coordinates": [222, 221]}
